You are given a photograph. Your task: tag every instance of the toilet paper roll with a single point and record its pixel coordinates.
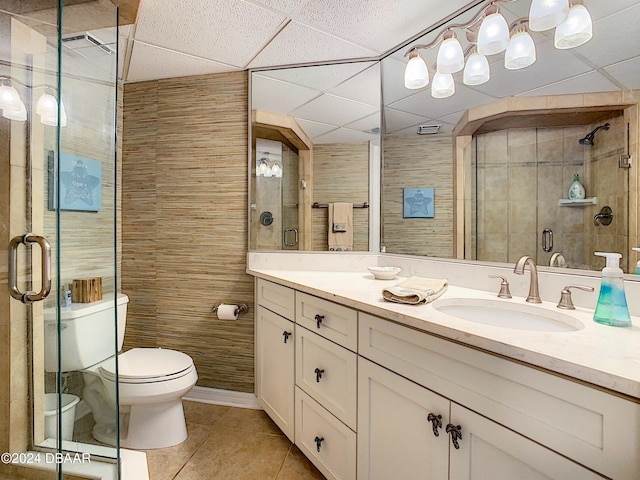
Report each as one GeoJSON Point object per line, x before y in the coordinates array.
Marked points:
{"type": "Point", "coordinates": [228, 312]}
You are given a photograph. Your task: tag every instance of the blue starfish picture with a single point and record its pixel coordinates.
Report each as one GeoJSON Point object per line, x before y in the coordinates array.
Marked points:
{"type": "Point", "coordinates": [80, 183]}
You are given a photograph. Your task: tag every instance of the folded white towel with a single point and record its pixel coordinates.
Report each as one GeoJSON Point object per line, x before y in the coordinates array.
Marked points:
{"type": "Point", "coordinates": [415, 290]}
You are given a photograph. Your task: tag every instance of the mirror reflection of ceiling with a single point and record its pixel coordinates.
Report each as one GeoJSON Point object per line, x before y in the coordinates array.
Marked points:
{"type": "Point", "coordinates": [610, 61]}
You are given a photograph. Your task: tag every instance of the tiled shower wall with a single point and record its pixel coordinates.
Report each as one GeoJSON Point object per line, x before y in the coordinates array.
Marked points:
{"type": "Point", "coordinates": [184, 228]}
{"type": "Point", "coordinates": [521, 176]}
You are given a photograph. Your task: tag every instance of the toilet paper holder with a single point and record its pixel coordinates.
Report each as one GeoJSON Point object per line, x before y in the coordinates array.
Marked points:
{"type": "Point", "coordinates": [240, 308]}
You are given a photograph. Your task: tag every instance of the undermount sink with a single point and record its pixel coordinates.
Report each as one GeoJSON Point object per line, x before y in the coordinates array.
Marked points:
{"type": "Point", "coordinates": [506, 314]}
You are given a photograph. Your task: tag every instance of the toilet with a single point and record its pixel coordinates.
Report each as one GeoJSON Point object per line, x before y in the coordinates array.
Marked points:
{"type": "Point", "coordinates": [150, 381]}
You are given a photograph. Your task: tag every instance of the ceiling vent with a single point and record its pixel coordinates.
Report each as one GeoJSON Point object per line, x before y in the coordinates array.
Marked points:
{"type": "Point", "coordinates": [374, 131]}
{"type": "Point", "coordinates": [428, 129]}
{"type": "Point", "coordinates": [82, 41]}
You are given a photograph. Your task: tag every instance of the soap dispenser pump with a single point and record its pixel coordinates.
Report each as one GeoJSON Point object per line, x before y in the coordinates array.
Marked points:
{"type": "Point", "coordinates": [612, 303]}
{"type": "Point", "coordinates": [637, 264]}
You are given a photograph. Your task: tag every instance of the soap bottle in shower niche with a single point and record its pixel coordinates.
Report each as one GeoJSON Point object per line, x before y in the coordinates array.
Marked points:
{"type": "Point", "coordinates": [576, 190]}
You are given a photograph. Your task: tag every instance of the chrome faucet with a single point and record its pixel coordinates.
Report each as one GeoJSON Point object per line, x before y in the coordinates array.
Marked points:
{"type": "Point", "coordinates": [534, 293]}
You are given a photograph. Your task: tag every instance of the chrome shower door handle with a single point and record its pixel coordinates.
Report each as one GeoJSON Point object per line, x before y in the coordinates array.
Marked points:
{"type": "Point", "coordinates": [45, 289]}
{"type": "Point", "coordinates": [284, 237]}
{"type": "Point", "coordinates": [547, 240]}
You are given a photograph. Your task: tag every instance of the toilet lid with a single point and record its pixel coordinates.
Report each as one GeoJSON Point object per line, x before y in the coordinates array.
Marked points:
{"type": "Point", "coordinates": [147, 363]}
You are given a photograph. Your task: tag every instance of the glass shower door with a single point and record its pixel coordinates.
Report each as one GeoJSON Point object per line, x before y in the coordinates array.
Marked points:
{"type": "Point", "coordinates": [58, 183]}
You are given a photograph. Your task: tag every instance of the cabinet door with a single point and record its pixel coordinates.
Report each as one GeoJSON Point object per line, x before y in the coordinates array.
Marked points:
{"type": "Point", "coordinates": [275, 368]}
{"type": "Point", "coordinates": [395, 438]}
{"type": "Point", "coordinates": [489, 450]}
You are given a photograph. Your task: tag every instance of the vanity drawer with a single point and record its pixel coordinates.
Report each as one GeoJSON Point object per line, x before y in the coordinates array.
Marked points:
{"type": "Point", "coordinates": [335, 322]}
{"type": "Point", "coordinates": [326, 441]}
{"type": "Point", "coordinates": [328, 373]}
{"type": "Point", "coordinates": [278, 299]}
{"type": "Point", "coordinates": [590, 426]}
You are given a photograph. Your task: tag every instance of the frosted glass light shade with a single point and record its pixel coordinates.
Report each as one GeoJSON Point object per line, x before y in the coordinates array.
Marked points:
{"type": "Point", "coordinates": [546, 14]}
{"type": "Point", "coordinates": [443, 85]}
{"type": "Point", "coordinates": [521, 51]}
{"type": "Point", "coordinates": [493, 36]}
{"type": "Point", "coordinates": [276, 170]}
{"type": "Point", "coordinates": [575, 30]}
{"type": "Point", "coordinates": [416, 74]}
{"type": "Point", "coordinates": [9, 98]}
{"type": "Point", "coordinates": [19, 113]}
{"type": "Point", "coordinates": [476, 71]}
{"type": "Point", "coordinates": [47, 108]}
{"type": "Point", "coordinates": [450, 56]}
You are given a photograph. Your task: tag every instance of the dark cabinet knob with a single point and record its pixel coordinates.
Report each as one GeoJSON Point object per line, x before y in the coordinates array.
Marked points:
{"type": "Point", "coordinates": [456, 434]}
{"type": "Point", "coordinates": [286, 336]}
{"type": "Point", "coordinates": [319, 318]}
{"type": "Point", "coordinates": [318, 441]}
{"type": "Point", "coordinates": [319, 373]}
{"type": "Point", "coordinates": [436, 421]}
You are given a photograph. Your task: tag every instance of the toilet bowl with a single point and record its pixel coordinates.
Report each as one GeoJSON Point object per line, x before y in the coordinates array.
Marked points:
{"type": "Point", "coordinates": [149, 382]}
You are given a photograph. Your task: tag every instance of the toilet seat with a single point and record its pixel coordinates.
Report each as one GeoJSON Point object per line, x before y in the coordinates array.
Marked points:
{"type": "Point", "coordinates": [147, 365]}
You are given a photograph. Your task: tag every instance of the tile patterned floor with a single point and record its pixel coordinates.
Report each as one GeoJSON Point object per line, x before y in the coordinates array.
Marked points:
{"type": "Point", "coordinates": [230, 443]}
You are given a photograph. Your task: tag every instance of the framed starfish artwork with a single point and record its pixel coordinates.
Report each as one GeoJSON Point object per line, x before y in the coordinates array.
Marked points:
{"type": "Point", "coordinates": [80, 183]}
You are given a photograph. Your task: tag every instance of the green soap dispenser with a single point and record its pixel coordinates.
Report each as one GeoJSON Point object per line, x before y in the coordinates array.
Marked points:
{"type": "Point", "coordinates": [612, 303]}
{"type": "Point", "coordinates": [637, 264]}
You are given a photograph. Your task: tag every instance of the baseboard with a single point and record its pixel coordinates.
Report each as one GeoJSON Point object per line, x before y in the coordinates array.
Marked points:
{"type": "Point", "coordinates": [223, 397]}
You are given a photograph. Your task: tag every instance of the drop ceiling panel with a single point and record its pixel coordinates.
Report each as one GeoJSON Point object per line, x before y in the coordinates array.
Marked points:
{"type": "Point", "coordinates": [589, 82]}
{"type": "Point", "coordinates": [227, 31]}
{"type": "Point", "coordinates": [365, 124]}
{"type": "Point", "coordinates": [378, 25]}
{"type": "Point", "coordinates": [277, 96]}
{"type": "Point", "coordinates": [396, 120]}
{"type": "Point", "coordinates": [620, 30]}
{"type": "Point", "coordinates": [345, 135]}
{"type": "Point", "coordinates": [364, 87]}
{"type": "Point", "coordinates": [298, 43]}
{"type": "Point", "coordinates": [322, 77]}
{"type": "Point", "coordinates": [626, 73]}
{"type": "Point", "coordinates": [315, 129]}
{"type": "Point", "coordinates": [151, 63]}
{"type": "Point", "coordinates": [284, 6]}
{"type": "Point", "coordinates": [334, 110]}
{"type": "Point", "coordinates": [424, 104]}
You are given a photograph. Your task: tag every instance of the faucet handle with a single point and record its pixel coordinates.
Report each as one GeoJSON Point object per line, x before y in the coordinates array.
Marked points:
{"type": "Point", "coordinates": [504, 287]}
{"type": "Point", "coordinates": [565, 296]}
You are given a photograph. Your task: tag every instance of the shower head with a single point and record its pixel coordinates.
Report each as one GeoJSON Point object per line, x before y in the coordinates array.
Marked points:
{"type": "Point", "coordinates": [588, 140]}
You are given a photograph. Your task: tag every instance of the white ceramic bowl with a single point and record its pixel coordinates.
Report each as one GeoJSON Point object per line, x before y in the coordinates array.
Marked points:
{"type": "Point", "coordinates": [384, 273]}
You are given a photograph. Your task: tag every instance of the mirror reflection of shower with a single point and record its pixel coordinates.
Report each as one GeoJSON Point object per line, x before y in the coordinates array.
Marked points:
{"type": "Point", "coordinates": [588, 140]}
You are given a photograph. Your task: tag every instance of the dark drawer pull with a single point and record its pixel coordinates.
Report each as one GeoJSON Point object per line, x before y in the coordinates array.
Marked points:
{"type": "Point", "coordinates": [319, 373]}
{"type": "Point", "coordinates": [319, 318]}
{"type": "Point", "coordinates": [318, 441]}
{"type": "Point", "coordinates": [286, 336]}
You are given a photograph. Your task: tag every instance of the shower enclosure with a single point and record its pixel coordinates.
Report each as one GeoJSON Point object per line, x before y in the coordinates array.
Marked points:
{"type": "Point", "coordinates": [59, 216]}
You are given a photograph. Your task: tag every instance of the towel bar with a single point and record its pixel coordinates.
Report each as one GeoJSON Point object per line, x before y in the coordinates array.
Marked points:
{"type": "Point", "coordinates": [326, 205]}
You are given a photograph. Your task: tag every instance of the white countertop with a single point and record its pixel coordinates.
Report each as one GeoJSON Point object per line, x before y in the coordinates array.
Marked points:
{"type": "Point", "coordinates": [601, 355]}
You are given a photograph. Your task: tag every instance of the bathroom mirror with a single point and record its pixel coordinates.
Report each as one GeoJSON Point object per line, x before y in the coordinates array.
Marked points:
{"type": "Point", "coordinates": [315, 135]}
{"type": "Point", "coordinates": [501, 155]}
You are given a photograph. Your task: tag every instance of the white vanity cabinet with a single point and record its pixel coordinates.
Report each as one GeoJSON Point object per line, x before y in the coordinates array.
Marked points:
{"type": "Point", "coordinates": [515, 421]}
{"type": "Point", "coordinates": [275, 354]}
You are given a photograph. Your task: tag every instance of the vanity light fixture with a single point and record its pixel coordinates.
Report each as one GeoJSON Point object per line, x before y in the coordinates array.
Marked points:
{"type": "Point", "coordinates": [450, 56]}
{"type": "Point", "coordinates": [546, 14]}
{"type": "Point", "coordinates": [443, 85]}
{"type": "Point", "coordinates": [488, 34]}
{"type": "Point", "coordinates": [416, 74]}
{"type": "Point", "coordinates": [521, 51]}
{"type": "Point", "coordinates": [575, 30]}
{"type": "Point", "coordinates": [10, 102]}
{"type": "Point", "coordinates": [47, 108]}
{"type": "Point", "coordinates": [493, 36]}
{"type": "Point", "coordinates": [476, 71]}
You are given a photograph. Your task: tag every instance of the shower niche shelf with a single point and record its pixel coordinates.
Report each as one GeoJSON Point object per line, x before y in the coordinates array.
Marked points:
{"type": "Point", "coordinates": [572, 202]}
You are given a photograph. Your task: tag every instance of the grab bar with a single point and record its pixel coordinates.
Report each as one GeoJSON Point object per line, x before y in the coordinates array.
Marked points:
{"type": "Point", "coordinates": [30, 296]}
{"type": "Point", "coordinates": [326, 205]}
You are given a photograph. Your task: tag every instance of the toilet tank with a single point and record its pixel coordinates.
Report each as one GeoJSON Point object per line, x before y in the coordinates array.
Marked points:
{"type": "Point", "coordinates": [87, 333]}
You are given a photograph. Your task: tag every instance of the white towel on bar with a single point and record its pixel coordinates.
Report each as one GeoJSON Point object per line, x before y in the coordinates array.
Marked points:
{"type": "Point", "coordinates": [340, 228]}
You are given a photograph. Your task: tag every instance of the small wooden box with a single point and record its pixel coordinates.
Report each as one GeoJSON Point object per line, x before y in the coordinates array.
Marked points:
{"type": "Point", "coordinates": [86, 290]}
